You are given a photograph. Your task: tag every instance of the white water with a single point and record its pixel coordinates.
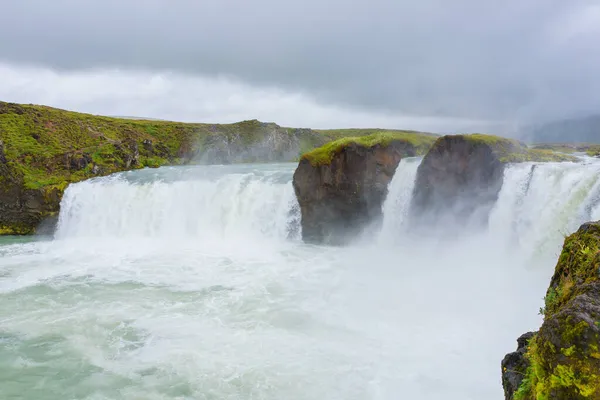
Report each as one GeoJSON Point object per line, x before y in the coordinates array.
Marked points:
{"type": "Point", "coordinates": [191, 283]}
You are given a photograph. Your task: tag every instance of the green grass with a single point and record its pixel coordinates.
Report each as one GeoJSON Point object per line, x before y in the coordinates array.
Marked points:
{"type": "Point", "coordinates": [323, 155]}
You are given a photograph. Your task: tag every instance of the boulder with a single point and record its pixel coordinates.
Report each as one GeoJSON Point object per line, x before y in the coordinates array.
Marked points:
{"type": "Point", "coordinates": [563, 357]}
{"type": "Point", "coordinates": [341, 186]}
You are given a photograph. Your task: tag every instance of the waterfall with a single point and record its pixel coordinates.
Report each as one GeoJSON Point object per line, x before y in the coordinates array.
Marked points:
{"type": "Point", "coordinates": [253, 203]}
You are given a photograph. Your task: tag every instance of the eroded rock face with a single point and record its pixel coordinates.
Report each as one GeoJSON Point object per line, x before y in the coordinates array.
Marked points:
{"type": "Point", "coordinates": [21, 210]}
{"type": "Point", "coordinates": [340, 199]}
{"type": "Point", "coordinates": [457, 182]}
{"type": "Point", "coordinates": [563, 357]}
{"type": "Point", "coordinates": [26, 210]}
{"type": "Point", "coordinates": [259, 142]}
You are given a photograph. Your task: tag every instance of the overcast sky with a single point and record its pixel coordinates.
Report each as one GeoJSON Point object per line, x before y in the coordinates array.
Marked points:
{"type": "Point", "coordinates": [425, 64]}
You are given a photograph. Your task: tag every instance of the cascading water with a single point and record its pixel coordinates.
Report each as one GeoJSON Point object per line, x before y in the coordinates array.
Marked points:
{"type": "Point", "coordinates": [191, 283]}
{"type": "Point", "coordinates": [239, 203]}
{"type": "Point", "coordinates": [540, 204]}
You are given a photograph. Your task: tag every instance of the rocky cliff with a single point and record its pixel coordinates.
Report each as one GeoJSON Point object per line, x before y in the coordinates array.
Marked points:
{"type": "Point", "coordinates": [562, 360]}
{"type": "Point", "coordinates": [43, 149]}
{"type": "Point", "coordinates": [341, 186]}
{"type": "Point", "coordinates": [460, 177]}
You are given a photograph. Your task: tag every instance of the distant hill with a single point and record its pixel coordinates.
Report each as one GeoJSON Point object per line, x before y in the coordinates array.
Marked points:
{"type": "Point", "coordinates": [574, 130]}
{"type": "Point", "coordinates": [136, 118]}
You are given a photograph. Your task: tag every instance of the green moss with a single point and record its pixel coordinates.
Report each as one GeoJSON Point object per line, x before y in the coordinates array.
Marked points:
{"type": "Point", "coordinates": [152, 162]}
{"type": "Point", "coordinates": [15, 230]}
{"type": "Point", "coordinates": [323, 155]}
{"type": "Point", "coordinates": [572, 376]}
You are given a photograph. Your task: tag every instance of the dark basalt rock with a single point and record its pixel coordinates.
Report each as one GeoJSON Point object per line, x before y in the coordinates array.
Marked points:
{"type": "Point", "coordinates": [514, 366]}
{"type": "Point", "coordinates": [458, 181]}
{"type": "Point", "coordinates": [460, 178]}
{"type": "Point", "coordinates": [339, 199]}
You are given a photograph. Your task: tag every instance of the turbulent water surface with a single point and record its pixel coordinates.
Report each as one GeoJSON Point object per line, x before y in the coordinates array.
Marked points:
{"type": "Point", "coordinates": [192, 283]}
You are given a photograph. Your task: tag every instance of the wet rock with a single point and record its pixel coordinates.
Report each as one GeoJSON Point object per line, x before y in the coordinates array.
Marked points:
{"type": "Point", "coordinates": [514, 366]}
{"type": "Point", "coordinates": [459, 180]}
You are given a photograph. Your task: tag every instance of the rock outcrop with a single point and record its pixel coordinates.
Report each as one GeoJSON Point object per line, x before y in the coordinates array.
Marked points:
{"type": "Point", "coordinates": [563, 358]}
{"type": "Point", "coordinates": [43, 149]}
{"type": "Point", "coordinates": [514, 365]}
{"type": "Point", "coordinates": [341, 186]}
{"type": "Point", "coordinates": [460, 177]}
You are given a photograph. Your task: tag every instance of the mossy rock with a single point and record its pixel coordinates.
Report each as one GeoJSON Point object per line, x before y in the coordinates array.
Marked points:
{"type": "Point", "coordinates": [323, 155]}
{"type": "Point", "coordinates": [564, 356]}
{"type": "Point", "coordinates": [341, 187]}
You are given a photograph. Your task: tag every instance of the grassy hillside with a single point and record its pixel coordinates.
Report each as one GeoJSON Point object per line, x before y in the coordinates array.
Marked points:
{"type": "Point", "coordinates": [49, 146]}
{"type": "Point", "coordinates": [43, 149]}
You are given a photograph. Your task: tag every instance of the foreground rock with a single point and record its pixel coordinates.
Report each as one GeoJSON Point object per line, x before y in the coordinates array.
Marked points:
{"type": "Point", "coordinates": [460, 177]}
{"type": "Point", "coordinates": [514, 366]}
{"type": "Point", "coordinates": [563, 358]}
{"type": "Point", "coordinates": [43, 149]}
{"type": "Point", "coordinates": [341, 186]}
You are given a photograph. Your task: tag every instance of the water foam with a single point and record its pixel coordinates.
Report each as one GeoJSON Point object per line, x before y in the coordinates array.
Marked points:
{"type": "Point", "coordinates": [183, 283]}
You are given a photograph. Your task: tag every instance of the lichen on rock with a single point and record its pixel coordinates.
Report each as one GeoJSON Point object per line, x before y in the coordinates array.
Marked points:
{"type": "Point", "coordinates": [563, 357]}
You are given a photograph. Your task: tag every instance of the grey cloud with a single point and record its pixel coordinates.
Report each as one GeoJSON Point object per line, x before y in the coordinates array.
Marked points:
{"type": "Point", "coordinates": [467, 58]}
